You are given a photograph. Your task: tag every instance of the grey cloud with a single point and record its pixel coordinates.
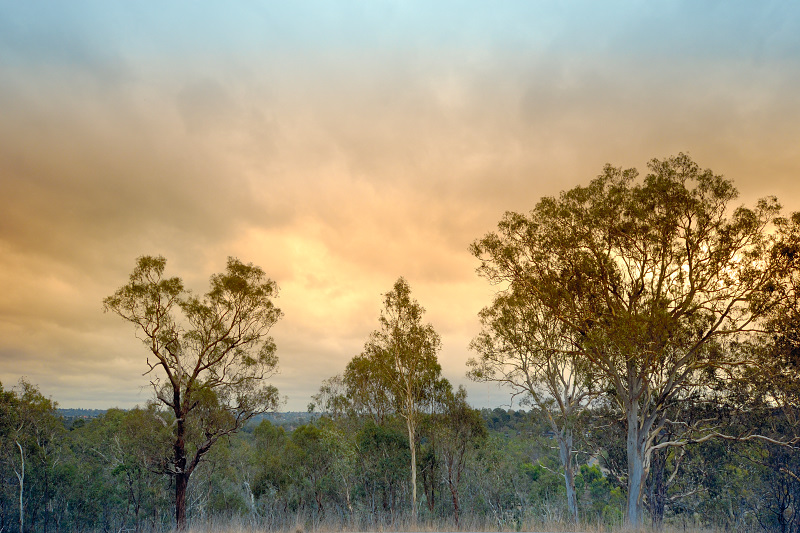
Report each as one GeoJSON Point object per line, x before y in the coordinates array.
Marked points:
{"type": "Point", "coordinates": [335, 166]}
{"type": "Point", "coordinates": [205, 105]}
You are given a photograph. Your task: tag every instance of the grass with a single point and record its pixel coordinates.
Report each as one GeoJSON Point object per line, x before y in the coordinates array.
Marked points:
{"type": "Point", "coordinates": [471, 524]}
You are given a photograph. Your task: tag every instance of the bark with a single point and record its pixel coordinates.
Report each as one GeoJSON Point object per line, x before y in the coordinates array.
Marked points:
{"type": "Point", "coordinates": [346, 496]}
{"type": "Point", "coordinates": [412, 444]}
{"type": "Point", "coordinates": [136, 501]}
{"type": "Point", "coordinates": [318, 500]}
{"type": "Point", "coordinates": [454, 469]}
{"type": "Point", "coordinates": [181, 475]}
{"type": "Point", "coordinates": [456, 508]}
{"type": "Point", "coordinates": [46, 499]}
{"type": "Point", "coordinates": [638, 466]}
{"type": "Point", "coordinates": [181, 482]}
{"type": "Point", "coordinates": [21, 479]}
{"type": "Point", "coordinates": [565, 452]}
{"type": "Point", "coordinates": [657, 497]}
{"type": "Point", "coordinates": [428, 486]}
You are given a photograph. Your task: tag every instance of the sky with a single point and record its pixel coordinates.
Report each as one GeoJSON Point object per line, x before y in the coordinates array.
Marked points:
{"type": "Point", "coordinates": [339, 146]}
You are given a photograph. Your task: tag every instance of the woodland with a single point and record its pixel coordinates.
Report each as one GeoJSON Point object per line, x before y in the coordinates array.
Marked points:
{"type": "Point", "coordinates": [647, 325]}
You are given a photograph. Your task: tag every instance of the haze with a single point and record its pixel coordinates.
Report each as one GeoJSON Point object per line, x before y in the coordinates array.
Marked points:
{"type": "Point", "coordinates": [340, 145]}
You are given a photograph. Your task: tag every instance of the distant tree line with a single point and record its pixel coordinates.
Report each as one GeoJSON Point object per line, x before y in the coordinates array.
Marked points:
{"type": "Point", "coordinates": [650, 328]}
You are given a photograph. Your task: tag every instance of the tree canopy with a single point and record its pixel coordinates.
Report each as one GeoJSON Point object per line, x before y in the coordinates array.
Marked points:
{"type": "Point", "coordinates": [653, 277]}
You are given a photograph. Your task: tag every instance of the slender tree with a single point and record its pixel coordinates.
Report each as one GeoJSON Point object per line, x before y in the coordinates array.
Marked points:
{"type": "Point", "coordinates": [526, 348]}
{"type": "Point", "coordinates": [30, 433]}
{"type": "Point", "coordinates": [209, 356]}
{"type": "Point", "coordinates": [399, 362]}
{"type": "Point", "coordinates": [460, 431]}
{"type": "Point", "coordinates": [12, 424]}
{"type": "Point", "coordinates": [654, 277]}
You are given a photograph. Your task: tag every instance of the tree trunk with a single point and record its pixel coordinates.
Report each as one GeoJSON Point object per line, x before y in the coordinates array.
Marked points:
{"type": "Point", "coordinates": [428, 485]}
{"type": "Point", "coordinates": [637, 468]}
{"type": "Point", "coordinates": [21, 479]}
{"type": "Point", "coordinates": [181, 475]}
{"type": "Point", "coordinates": [412, 444]}
{"type": "Point", "coordinates": [657, 497]}
{"type": "Point", "coordinates": [136, 516]}
{"type": "Point", "coordinates": [46, 499]}
{"type": "Point", "coordinates": [454, 494]}
{"type": "Point", "coordinates": [181, 482]}
{"type": "Point", "coordinates": [565, 452]}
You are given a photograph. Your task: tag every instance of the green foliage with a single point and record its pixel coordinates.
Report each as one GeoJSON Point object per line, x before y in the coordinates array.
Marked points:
{"type": "Point", "coordinates": [546, 482]}
{"type": "Point", "coordinates": [398, 369]}
{"type": "Point", "coordinates": [384, 459]}
{"type": "Point", "coordinates": [119, 460]}
{"type": "Point", "coordinates": [211, 355]}
{"type": "Point", "coordinates": [633, 285]}
{"type": "Point", "coordinates": [649, 280]}
{"type": "Point", "coordinates": [271, 477]}
{"type": "Point", "coordinates": [108, 474]}
{"type": "Point", "coordinates": [600, 500]}
{"type": "Point", "coordinates": [398, 372]}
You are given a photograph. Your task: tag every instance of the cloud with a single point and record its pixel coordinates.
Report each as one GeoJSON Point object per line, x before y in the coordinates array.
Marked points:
{"type": "Point", "coordinates": [339, 148]}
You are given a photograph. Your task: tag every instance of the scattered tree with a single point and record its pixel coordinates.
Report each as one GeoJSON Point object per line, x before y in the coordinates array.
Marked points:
{"type": "Point", "coordinates": [210, 355]}
{"type": "Point", "coordinates": [398, 368]}
{"type": "Point", "coordinates": [461, 431]}
{"type": "Point", "coordinates": [525, 347]}
{"type": "Point", "coordinates": [29, 436]}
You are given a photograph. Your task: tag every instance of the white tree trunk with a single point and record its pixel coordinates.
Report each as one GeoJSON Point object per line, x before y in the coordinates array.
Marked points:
{"type": "Point", "coordinates": [412, 444]}
{"type": "Point", "coordinates": [21, 479]}
{"type": "Point", "coordinates": [638, 467]}
{"type": "Point", "coordinates": [565, 451]}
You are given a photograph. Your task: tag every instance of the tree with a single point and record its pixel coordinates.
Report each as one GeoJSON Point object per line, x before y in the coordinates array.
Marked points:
{"type": "Point", "coordinates": [270, 461]}
{"type": "Point", "coordinates": [43, 430]}
{"type": "Point", "coordinates": [12, 422]}
{"type": "Point", "coordinates": [383, 461]}
{"type": "Point", "coordinates": [775, 378]}
{"type": "Point", "coordinates": [210, 355]}
{"type": "Point", "coordinates": [461, 431]}
{"type": "Point", "coordinates": [766, 395]}
{"type": "Point", "coordinates": [654, 278]}
{"type": "Point", "coordinates": [131, 449]}
{"type": "Point", "coordinates": [399, 362]}
{"type": "Point", "coordinates": [30, 435]}
{"type": "Point", "coordinates": [525, 347]}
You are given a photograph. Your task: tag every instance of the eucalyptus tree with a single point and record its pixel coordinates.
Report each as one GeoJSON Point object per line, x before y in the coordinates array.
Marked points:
{"type": "Point", "coordinates": [653, 277]}
{"type": "Point", "coordinates": [775, 380]}
{"type": "Point", "coordinates": [460, 432]}
{"type": "Point", "coordinates": [43, 431]}
{"type": "Point", "coordinates": [523, 346]}
{"type": "Point", "coordinates": [208, 357]}
{"type": "Point", "coordinates": [13, 453]}
{"type": "Point", "coordinates": [129, 449]}
{"type": "Point", "coordinates": [398, 369]}
{"type": "Point", "coordinates": [31, 434]}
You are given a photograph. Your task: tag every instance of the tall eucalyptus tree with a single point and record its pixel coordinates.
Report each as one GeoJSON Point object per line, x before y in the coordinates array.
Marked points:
{"type": "Point", "coordinates": [398, 367]}
{"type": "Point", "coordinates": [653, 277]}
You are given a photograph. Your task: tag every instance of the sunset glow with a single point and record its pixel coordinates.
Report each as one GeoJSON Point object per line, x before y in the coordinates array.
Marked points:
{"type": "Point", "coordinates": [339, 146]}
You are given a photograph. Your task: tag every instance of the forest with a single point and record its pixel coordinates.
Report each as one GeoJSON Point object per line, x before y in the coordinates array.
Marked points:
{"type": "Point", "coordinates": [648, 327]}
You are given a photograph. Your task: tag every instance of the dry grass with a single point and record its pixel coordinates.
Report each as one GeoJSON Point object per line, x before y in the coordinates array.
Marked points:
{"type": "Point", "coordinates": [304, 525]}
